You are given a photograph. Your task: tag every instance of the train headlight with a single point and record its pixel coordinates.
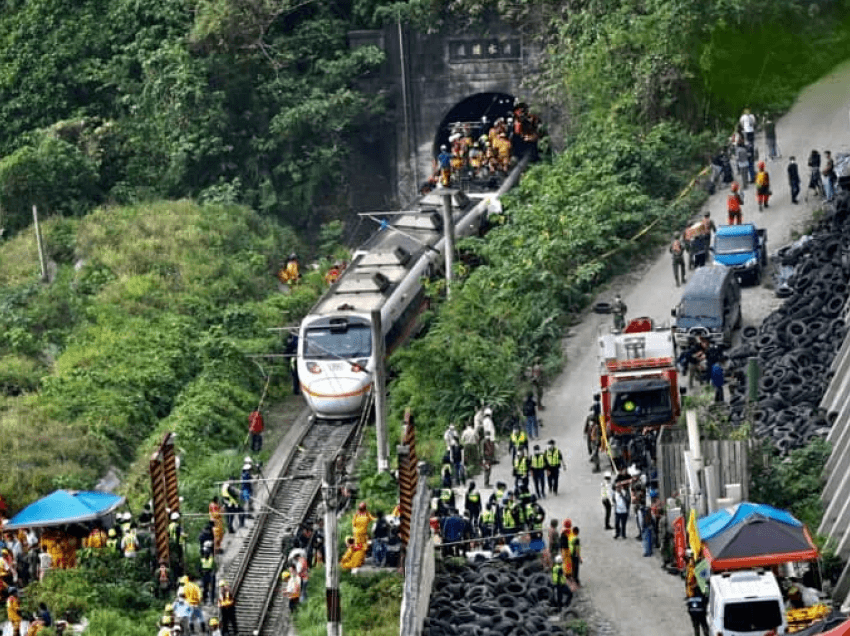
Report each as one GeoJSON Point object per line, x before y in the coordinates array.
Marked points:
{"type": "Point", "coordinates": [312, 367]}
{"type": "Point", "coordinates": [360, 365]}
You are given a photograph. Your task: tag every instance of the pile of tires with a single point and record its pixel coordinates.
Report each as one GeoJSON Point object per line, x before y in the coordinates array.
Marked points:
{"type": "Point", "coordinates": [797, 343]}
{"type": "Point", "coordinates": [493, 598]}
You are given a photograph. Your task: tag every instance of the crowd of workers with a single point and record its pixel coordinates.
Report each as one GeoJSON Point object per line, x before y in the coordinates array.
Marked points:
{"type": "Point", "coordinates": [479, 150]}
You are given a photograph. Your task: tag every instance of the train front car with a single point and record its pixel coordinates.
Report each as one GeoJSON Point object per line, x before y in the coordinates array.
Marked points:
{"type": "Point", "coordinates": [335, 364]}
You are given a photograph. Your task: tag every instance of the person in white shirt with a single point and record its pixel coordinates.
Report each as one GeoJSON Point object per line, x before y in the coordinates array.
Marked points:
{"type": "Point", "coordinates": [748, 124]}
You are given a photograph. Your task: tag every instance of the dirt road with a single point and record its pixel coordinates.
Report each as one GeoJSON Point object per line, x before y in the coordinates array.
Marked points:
{"type": "Point", "coordinates": [631, 594]}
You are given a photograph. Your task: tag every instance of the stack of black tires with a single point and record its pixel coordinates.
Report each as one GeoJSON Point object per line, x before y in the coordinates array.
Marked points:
{"type": "Point", "coordinates": [493, 598]}
{"type": "Point", "coordinates": [797, 343]}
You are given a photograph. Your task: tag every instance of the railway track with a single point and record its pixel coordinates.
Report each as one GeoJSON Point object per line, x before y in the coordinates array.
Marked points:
{"type": "Point", "coordinates": [255, 572]}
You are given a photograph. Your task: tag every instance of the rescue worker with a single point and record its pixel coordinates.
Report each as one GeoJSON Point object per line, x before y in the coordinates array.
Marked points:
{"type": "Point", "coordinates": [255, 429]}
{"type": "Point", "coordinates": [13, 610]}
{"type": "Point", "coordinates": [563, 594]}
{"type": "Point", "coordinates": [696, 611]}
{"type": "Point", "coordinates": [193, 599]}
{"type": "Point", "coordinates": [534, 516]}
{"type": "Point", "coordinates": [130, 542]}
{"type": "Point", "coordinates": [733, 204]}
{"type": "Point", "coordinates": [96, 538]}
{"type": "Point", "coordinates": [360, 524]}
{"type": "Point", "coordinates": [554, 463]}
{"type": "Point", "coordinates": [510, 519]}
{"type": "Point", "coordinates": [291, 271]}
{"type": "Point", "coordinates": [575, 553]}
{"type": "Point", "coordinates": [677, 252]}
{"type": "Point", "coordinates": [487, 523]}
{"type": "Point", "coordinates": [231, 503]}
{"type": "Point", "coordinates": [112, 540]}
{"type": "Point", "coordinates": [246, 491]}
{"type": "Point", "coordinates": [298, 558]}
{"type": "Point", "coordinates": [208, 576]}
{"type": "Point", "coordinates": [163, 580]}
{"type": "Point", "coordinates": [762, 186]}
{"type": "Point", "coordinates": [214, 627]}
{"type": "Point", "coordinates": [446, 501]}
{"type": "Point", "coordinates": [293, 588]}
{"type": "Point", "coordinates": [521, 470]}
{"type": "Point", "coordinates": [355, 555]}
{"type": "Point", "coordinates": [176, 542]}
{"type": "Point", "coordinates": [538, 471]}
{"type": "Point", "coordinates": [518, 440]}
{"type": "Point", "coordinates": [444, 167]}
{"type": "Point", "coordinates": [166, 623]}
{"type": "Point", "coordinates": [332, 274]}
{"type": "Point", "coordinates": [619, 310]}
{"type": "Point", "coordinates": [472, 503]}
{"type": "Point", "coordinates": [218, 524]}
{"type": "Point", "coordinates": [227, 609]}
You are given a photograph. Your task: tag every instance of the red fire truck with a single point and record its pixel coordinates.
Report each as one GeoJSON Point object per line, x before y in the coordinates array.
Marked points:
{"type": "Point", "coordinates": [638, 382]}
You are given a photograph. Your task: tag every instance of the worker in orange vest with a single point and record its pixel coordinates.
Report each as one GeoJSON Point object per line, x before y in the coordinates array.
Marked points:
{"type": "Point", "coordinates": [733, 205]}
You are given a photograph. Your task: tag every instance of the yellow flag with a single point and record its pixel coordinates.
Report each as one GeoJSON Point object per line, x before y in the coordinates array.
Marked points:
{"type": "Point", "coordinates": [693, 534]}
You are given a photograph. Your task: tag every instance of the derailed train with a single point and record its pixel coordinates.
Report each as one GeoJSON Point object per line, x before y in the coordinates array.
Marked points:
{"type": "Point", "coordinates": [336, 355]}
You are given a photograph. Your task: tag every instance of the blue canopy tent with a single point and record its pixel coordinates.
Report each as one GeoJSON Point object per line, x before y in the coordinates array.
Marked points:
{"type": "Point", "coordinates": [754, 535]}
{"type": "Point", "coordinates": [65, 507]}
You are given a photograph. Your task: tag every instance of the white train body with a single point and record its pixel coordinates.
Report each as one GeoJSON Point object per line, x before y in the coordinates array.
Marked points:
{"type": "Point", "coordinates": [336, 355]}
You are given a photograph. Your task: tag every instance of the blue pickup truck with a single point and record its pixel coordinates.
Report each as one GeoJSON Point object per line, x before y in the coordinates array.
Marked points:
{"type": "Point", "coordinates": [743, 249]}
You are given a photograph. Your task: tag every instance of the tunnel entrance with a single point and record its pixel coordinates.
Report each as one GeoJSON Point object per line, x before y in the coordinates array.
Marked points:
{"type": "Point", "coordinates": [471, 111]}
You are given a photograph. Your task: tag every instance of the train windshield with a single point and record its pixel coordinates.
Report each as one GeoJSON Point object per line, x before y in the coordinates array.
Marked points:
{"type": "Point", "coordinates": [353, 341]}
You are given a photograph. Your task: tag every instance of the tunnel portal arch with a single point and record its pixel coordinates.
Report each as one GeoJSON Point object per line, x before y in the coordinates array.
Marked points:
{"type": "Point", "coordinates": [472, 110]}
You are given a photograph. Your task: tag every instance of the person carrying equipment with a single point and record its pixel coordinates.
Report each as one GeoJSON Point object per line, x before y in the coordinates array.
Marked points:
{"type": "Point", "coordinates": [290, 272]}
{"type": "Point", "coordinates": [563, 594]}
{"type": "Point", "coordinates": [733, 204]}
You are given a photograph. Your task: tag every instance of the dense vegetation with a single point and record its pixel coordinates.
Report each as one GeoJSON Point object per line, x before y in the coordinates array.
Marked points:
{"type": "Point", "coordinates": [239, 115]}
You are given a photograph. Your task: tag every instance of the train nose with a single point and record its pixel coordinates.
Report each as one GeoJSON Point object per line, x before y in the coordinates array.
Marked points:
{"type": "Point", "coordinates": [337, 397]}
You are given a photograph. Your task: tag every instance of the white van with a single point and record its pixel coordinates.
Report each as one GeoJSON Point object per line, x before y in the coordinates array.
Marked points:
{"type": "Point", "coordinates": [747, 603]}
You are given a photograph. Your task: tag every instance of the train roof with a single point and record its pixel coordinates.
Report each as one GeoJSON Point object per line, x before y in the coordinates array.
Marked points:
{"type": "Point", "coordinates": [384, 260]}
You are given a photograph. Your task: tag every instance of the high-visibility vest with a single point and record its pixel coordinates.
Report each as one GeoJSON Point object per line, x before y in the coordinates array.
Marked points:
{"type": "Point", "coordinates": [112, 544]}
{"type": "Point", "coordinates": [521, 466]}
{"type": "Point", "coordinates": [225, 599]}
{"type": "Point", "coordinates": [532, 517]}
{"type": "Point", "coordinates": [558, 576]}
{"type": "Point", "coordinates": [193, 594]}
{"type": "Point", "coordinates": [473, 497]}
{"type": "Point", "coordinates": [762, 179]}
{"type": "Point", "coordinates": [538, 461]}
{"type": "Point", "coordinates": [207, 563]}
{"type": "Point", "coordinates": [519, 438]}
{"type": "Point", "coordinates": [509, 520]}
{"type": "Point", "coordinates": [575, 545]}
{"type": "Point", "coordinates": [488, 517]}
{"type": "Point", "coordinates": [553, 458]}
{"type": "Point", "coordinates": [733, 203]}
{"type": "Point", "coordinates": [446, 495]}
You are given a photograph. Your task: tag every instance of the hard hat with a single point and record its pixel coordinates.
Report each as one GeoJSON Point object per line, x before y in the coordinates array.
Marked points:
{"type": "Point", "coordinates": [208, 544]}
{"type": "Point", "coordinates": [166, 620]}
{"type": "Point", "coordinates": [285, 575]}
{"type": "Point", "coordinates": [443, 147]}
{"type": "Point", "coordinates": [689, 553]}
{"type": "Point", "coordinates": [175, 516]}
{"type": "Point", "coordinates": [735, 186]}
{"type": "Point", "coordinates": [246, 467]}
{"type": "Point", "coordinates": [293, 256]}
{"type": "Point", "coordinates": [488, 410]}
{"type": "Point", "coordinates": [169, 608]}
{"type": "Point", "coordinates": [111, 532]}
{"type": "Point", "coordinates": [213, 622]}
{"type": "Point", "coordinates": [362, 505]}
{"type": "Point", "coordinates": [761, 165]}
{"type": "Point", "coordinates": [568, 523]}
{"type": "Point", "coordinates": [222, 583]}
{"type": "Point", "coordinates": [607, 474]}
{"type": "Point", "coordinates": [177, 629]}
{"type": "Point", "coordinates": [184, 579]}
{"type": "Point", "coordinates": [559, 559]}
{"type": "Point", "coordinates": [247, 460]}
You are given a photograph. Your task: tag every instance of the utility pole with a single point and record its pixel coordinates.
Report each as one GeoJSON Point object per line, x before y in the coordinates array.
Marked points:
{"type": "Point", "coordinates": [380, 388]}
{"type": "Point", "coordinates": [329, 495]}
{"type": "Point", "coordinates": [42, 257]}
{"type": "Point", "coordinates": [449, 233]}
